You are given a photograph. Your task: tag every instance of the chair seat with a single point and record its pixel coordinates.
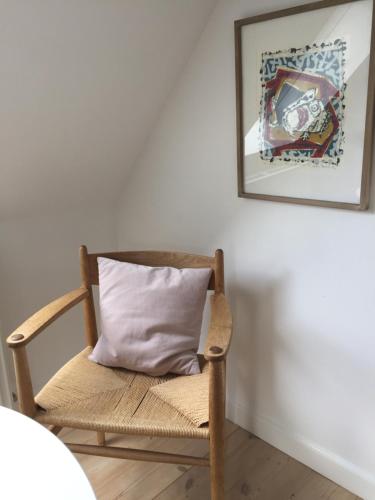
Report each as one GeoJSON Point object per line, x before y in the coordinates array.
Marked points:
{"type": "Point", "coordinates": [86, 395]}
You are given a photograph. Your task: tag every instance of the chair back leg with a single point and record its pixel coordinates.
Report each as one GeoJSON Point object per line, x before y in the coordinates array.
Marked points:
{"type": "Point", "coordinates": [100, 438]}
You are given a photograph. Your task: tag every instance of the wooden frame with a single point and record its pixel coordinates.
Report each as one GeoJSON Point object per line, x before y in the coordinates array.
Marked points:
{"type": "Point", "coordinates": [216, 349]}
{"type": "Point", "coordinates": [369, 120]}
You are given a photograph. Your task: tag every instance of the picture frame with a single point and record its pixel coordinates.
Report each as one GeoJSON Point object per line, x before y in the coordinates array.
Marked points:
{"type": "Point", "coordinates": [305, 90]}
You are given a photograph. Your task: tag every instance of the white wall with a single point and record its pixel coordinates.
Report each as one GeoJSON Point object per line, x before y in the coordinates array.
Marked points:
{"type": "Point", "coordinates": [5, 385]}
{"type": "Point", "coordinates": [82, 83]}
{"type": "Point", "coordinates": [38, 263]}
{"type": "Point", "coordinates": [300, 279]}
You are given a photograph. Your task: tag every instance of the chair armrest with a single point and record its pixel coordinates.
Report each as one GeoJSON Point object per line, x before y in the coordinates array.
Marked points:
{"type": "Point", "coordinates": [220, 330]}
{"type": "Point", "coordinates": [44, 317]}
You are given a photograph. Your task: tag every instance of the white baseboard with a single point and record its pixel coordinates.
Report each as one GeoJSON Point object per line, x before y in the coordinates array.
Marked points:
{"type": "Point", "coordinates": [336, 468]}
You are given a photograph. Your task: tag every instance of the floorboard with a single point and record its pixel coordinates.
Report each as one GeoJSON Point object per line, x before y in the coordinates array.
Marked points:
{"type": "Point", "coordinates": [254, 471]}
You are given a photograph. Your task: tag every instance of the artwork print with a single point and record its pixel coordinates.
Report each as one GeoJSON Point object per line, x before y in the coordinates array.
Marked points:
{"type": "Point", "coordinates": [302, 104]}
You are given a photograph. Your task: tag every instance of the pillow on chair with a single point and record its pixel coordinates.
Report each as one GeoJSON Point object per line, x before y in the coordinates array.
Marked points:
{"type": "Point", "coordinates": [151, 317]}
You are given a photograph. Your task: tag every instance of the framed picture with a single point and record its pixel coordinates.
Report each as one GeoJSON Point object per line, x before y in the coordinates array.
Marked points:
{"type": "Point", "coordinates": [305, 103]}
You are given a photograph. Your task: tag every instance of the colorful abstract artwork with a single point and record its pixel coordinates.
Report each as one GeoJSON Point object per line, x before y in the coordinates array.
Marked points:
{"type": "Point", "coordinates": [302, 104]}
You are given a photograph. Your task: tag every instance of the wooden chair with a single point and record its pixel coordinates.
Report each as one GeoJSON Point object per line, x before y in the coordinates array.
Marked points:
{"type": "Point", "coordinates": [81, 394]}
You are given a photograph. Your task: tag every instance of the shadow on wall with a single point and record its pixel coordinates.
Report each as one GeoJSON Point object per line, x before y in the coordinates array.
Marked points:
{"type": "Point", "coordinates": [251, 372]}
{"type": "Point", "coordinates": [38, 263]}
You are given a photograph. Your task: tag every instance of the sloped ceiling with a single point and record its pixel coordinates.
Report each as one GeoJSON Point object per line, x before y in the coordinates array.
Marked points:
{"type": "Point", "coordinates": [82, 83]}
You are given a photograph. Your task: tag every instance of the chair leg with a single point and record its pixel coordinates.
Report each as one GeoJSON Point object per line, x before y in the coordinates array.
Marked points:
{"type": "Point", "coordinates": [217, 418]}
{"type": "Point", "coordinates": [55, 429]}
{"type": "Point", "coordinates": [100, 437]}
{"type": "Point", "coordinates": [217, 466]}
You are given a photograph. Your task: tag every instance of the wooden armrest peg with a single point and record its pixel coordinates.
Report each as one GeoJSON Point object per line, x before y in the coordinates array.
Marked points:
{"type": "Point", "coordinates": [216, 349]}
{"type": "Point", "coordinates": [16, 337]}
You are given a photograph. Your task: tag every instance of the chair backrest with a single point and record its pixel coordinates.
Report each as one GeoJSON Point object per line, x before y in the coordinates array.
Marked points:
{"type": "Point", "coordinates": [89, 265]}
{"type": "Point", "coordinates": [90, 275]}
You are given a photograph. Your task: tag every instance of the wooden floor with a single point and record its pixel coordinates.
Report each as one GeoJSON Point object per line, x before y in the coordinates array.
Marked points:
{"type": "Point", "coordinates": [254, 471]}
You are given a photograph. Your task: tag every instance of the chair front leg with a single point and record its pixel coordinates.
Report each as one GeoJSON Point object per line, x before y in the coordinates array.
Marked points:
{"type": "Point", "coordinates": [23, 380]}
{"type": "Point", "coordinates": [216, 423]}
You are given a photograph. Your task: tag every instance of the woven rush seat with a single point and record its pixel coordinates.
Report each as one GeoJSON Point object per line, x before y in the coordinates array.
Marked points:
{"type": "Point", "coordinates": [85, 395]}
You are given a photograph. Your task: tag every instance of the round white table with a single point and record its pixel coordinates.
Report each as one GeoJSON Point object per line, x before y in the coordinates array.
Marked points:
{"type": "Point", "coordinates": [35, 464]}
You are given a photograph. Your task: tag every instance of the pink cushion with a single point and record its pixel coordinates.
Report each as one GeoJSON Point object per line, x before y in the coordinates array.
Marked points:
{"type": "Point", "coordinates": [151, 317]}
